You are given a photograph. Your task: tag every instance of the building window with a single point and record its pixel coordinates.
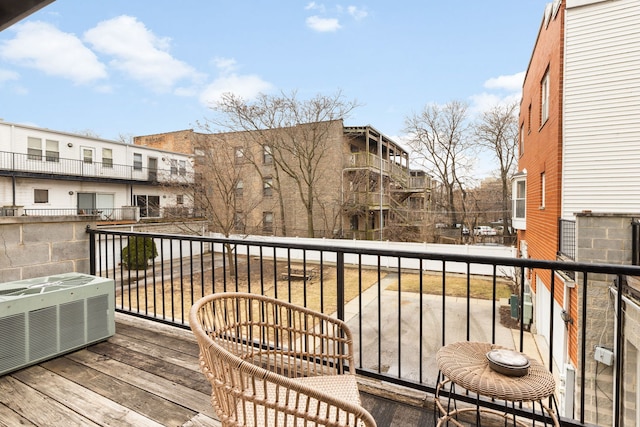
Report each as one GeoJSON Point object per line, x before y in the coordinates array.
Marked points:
{"type": "Point", "coordinates": [179, 199]}
{"type": "Point", "coordinates": [182, 167]}
{"type": "Point", "coordinates": [137, 161]}
{"type": "Point", "coordinates": [34, 148]}
{"type": "Point", "coordinates": [353, 223]}
{"type": "Point", "coordinates": [107, 158]}
{"type": "Point", "coordinates": [519, 201]}
{"type": "Point", "coordinates": [239, 153]}
{"type": "Point", "coordinates": [529, 120]}
{"type": "Point", "coordinates": [174, 166]}
{"type": "Point", "coordinates": [238, 222]}
{"type": "Point", "coordinates": [267, 156]}
{"type": "Point", "coordinates": [40, 196]}
{"type": "Point", "coordinates": [267, 222]}
{"type": "Point", "coordinates": [87, 155]}
{"type": "Point", "coordinates": [521, 145]}
{"type": "Point", "coordinates": [544, 90]}
{"type": "Point", "coordinates": [543, 190]}
{"type": "Point", "coordinates": [149, 205]}
{"type": "Point", "coordinates": [239, 188]}
{"type": "Point", "coordinates": [267, 187]}
{"type": "Point", "coordinates": [52, 153]}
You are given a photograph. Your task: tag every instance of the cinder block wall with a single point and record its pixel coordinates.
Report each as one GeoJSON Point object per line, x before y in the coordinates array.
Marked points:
{"type": "Point", "coordinates": [603, 239]}
{"type": "Point", "coordinates": [42, 246]}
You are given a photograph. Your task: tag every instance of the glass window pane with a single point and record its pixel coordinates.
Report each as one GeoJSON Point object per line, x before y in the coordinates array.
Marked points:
{"type": "Point", "coordinates": [34, 148]}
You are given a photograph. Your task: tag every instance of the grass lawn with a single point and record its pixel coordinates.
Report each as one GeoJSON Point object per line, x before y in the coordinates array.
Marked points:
{"type": "Point", "coordinates": [455, 285]}
{"type": "Point", "coordinates": [176, 296]}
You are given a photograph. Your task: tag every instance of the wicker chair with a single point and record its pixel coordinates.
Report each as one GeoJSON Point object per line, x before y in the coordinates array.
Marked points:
{"type": "Point", "coordinates": [271, 363]}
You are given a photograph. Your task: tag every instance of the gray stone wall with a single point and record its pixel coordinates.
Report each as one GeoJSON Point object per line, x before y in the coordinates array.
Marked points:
{"type": "Point", "coordinates": [42, 246]}
{"type": "Point", "coordinates": [603, 239]}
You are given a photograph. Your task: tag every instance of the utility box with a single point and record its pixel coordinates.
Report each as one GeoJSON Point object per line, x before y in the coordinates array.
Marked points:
{"type": "Point", "coordinates": [45, 317]}
{"type": "Point", "coordinates": [515, 308]}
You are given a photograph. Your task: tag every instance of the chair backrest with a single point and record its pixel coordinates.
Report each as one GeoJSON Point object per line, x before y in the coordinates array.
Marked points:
{"type": "Point", "coordinates": [255, 350]}
{"type": "Point", "coordinates": [274, 334]}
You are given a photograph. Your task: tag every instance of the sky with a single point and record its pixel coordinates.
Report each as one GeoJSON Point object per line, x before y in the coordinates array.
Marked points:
{"type": "Point", "coordinates": [121, 68]}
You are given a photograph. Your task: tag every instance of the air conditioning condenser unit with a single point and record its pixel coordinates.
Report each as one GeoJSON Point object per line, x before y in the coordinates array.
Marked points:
{"type": "Point", "coordinates": [45, 317]}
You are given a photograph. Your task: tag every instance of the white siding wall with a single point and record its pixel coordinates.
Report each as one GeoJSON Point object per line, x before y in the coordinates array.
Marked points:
{"type": "Point", "coordinates": [13, 139]}
{"type": "Point", "coordinates": [601, 168]}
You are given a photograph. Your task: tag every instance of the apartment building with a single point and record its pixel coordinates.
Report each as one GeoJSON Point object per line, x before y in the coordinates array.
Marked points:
{"type": "Point", "coordinates": [577, 193]}
{"type": "Point", "coordinates": [46, 172]}
{"type": "Point", "coordinates": [321, 179]}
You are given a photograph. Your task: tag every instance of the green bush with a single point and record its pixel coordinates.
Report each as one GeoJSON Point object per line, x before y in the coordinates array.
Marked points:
{"type": "Point", "coordinates": [138, 252]}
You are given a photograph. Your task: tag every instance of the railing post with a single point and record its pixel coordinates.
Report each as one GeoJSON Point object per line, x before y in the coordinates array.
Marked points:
{"type": "Point", "coordinates": [92, 251]}
{"type": "Point", "coordinates": [619, 353]}
{"type": "Point", "coordinates": [340, 283]}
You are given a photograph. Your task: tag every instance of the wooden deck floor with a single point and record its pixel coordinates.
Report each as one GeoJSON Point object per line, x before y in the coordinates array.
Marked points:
{"type": "Point", "coordinates": [145, 375]}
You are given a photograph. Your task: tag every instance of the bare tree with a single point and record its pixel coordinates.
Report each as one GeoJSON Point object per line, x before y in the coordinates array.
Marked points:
{"type": "Point", "coordinates": [439, 141]}
{"type": "Point", "coordinates": [497, 130]}
{"type": "Point", "coordinates": [219, 189]}
{"type": "Point", "coordinates": [296, 133]}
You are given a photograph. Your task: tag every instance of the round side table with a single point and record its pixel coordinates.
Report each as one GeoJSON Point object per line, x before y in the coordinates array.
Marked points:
{"type": "Point", "coordinates": [465, 364]}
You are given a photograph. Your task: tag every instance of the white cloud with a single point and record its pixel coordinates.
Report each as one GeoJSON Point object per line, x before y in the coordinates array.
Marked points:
{"type": "Point", "coordinates": [6, 75]}
{"type": "Point", "coordinates": [314, 6]}
{"type": "Point", "coordinates": [139, 53]}
{"type": "Point", "coordinates": [502, 90]}
{"type": "Point", "coordinates": [357, 13]}
{"type": "Point", "coordinates": [41, 46]}
{"type": "Point", "coordinates": [225, 65]}
{"type": "Point", "coordinates": [323, 25]}
{"type": "Point", "coordinates": [246, 87]}
{"type": "Point", "coordinates": [510, 83]}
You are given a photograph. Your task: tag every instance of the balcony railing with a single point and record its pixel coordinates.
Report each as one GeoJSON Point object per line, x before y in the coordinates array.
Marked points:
{"type": "Point", "coordinates": [382, 294]}
{"type": "Point", "coordinates": [567, 238]}
{"type": "Point", "coordinates": [127, 213]}
{"type": "Point", "coordinates": [56, 166]}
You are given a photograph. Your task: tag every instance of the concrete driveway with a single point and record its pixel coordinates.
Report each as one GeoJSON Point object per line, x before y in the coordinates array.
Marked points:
{"type": "Point", "coordinates": [391, 341]}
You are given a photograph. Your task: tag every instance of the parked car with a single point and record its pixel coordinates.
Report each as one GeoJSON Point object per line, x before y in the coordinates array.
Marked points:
{"type": "Point", "coordinates": [465, 230]}
{"type": "Point", "coordinates": [484, 230]}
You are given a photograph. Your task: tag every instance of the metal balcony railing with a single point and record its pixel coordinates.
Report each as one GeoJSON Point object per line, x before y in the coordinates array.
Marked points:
{"type": "Point", "coordinates": [114, 214]}
{"type": "Point", "coordinates": [398, 326]}
{"type": "Point", "coordinates": [55, 166]}
{"type": "Point", "coordinates": [567, 238]}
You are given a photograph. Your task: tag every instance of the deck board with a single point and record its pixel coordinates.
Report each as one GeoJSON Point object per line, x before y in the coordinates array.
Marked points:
{"type": "Point", "coordinates": [145, 375]}
{"type": "Point", "coordinates": [86, 403]}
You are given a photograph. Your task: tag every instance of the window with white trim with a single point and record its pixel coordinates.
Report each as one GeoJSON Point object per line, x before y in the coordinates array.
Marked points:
{"type": "Point", "coordinates": [544, 91]}
{"type": "Point", "coordinates": [52, 150]}
{"type": "Point", "coordinates": [520, 199]}
{"type": "Point", "coordinates": [40, 196]}
{"type": "Point", "coordinates": [521, 140]}
{"type": "Point", "coordinates": [543, 190]}
{"type": "Point", "coordinates": [137, 161]}
{"type": "Point", "coordinates": [107, 158]}
{"type": "Point", "coordinates": [34, 148]}
{"type": "Point", "coordinates": [87, 155]}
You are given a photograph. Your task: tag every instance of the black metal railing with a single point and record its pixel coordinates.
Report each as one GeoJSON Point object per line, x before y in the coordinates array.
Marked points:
{"type": "Point", "coordinates": [56, 166]}
{"type": "Point", "coordinates": [129, 213]}
{"type": "Point", "coordinates": [398, 303]}
{"type": "Point", "coordinates": [635, 242]}
{"type": "Point", "coordinates": [567, 238]}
